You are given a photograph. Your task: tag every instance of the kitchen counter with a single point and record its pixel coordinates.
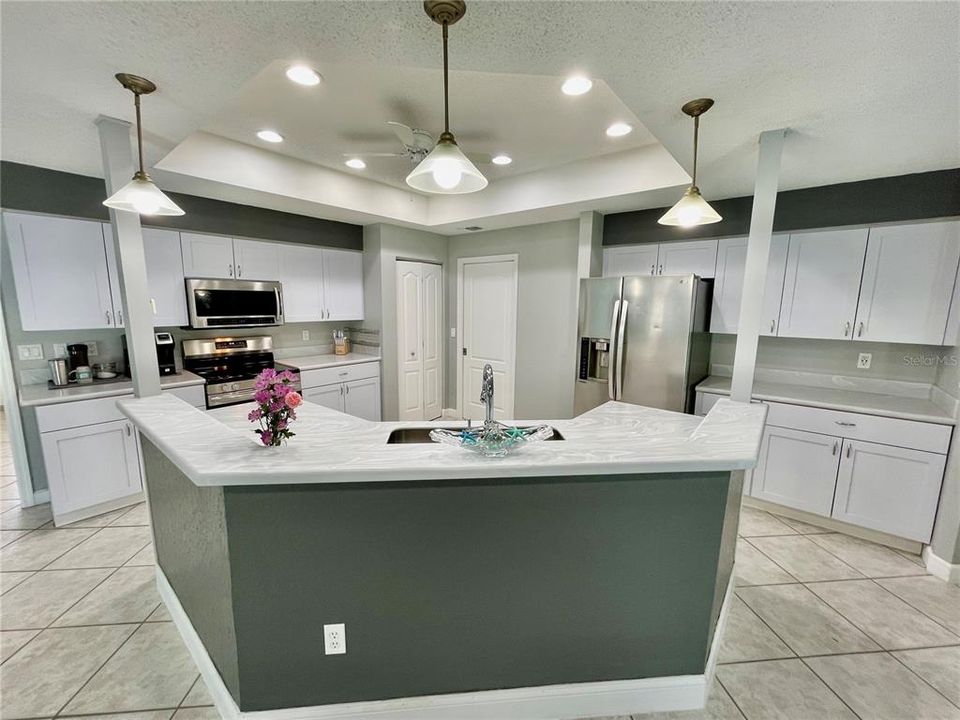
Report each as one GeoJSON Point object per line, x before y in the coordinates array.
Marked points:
{"type": "Point", "coordinates": [35, 395]}
{"type": "Point", "coordinates": [316, 362]}
{"type": "Point", "coordinates": [836, 398]}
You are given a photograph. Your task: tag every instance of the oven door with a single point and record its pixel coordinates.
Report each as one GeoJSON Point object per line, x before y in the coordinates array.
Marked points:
{"type": "Point", "coordinates": [214, 303]}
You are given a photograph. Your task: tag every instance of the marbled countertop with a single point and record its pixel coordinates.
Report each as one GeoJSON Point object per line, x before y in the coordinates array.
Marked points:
{"type": "Point", "coordinates": [315, 362]}
{"type": "Point", "coordinates": [838, 398]}
{"type": "Point", "coordinates": [219, 447]}
{"type": "Point", "coordinates": [33, 395]}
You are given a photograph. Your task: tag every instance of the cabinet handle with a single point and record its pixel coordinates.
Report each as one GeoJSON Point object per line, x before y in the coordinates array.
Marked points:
{"type": "Point", "coordinates": [846, 329]}
{"type": "Point", "coordinates": [119, 317]}
{"type": "Point", "coordinates": [773, 324]}
{"type": "Point", "coordinates": [128, 431]}
{"type": "Point", "coordinates": [230, 269]}
{"type": "Point", "coordinates": [153, 305]}
{"type": "Point", "coordinates": [341, 391]}
{"type": "Point", "coordinates": [860, 329]}
{"type": "Point", "coordinates": [661, 269]}
{"type": "Point", "coordinates": [239, 271]}
{"type": "Point", "coordinates": [849, 449]}
{"type": "Point", "coordinates": [107, 315]}
{"type": "Point", "coordinates": [835, 447]}
{"type": "Point", "coordinates": [841, 423]}
{"type": "Point", "coordinates": [348, 389]}
{"type": "Point", "coordinates": [653, 269]}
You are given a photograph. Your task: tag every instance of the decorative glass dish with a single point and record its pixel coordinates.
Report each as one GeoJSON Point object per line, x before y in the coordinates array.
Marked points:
{"type": "Point", "coordinates": [493, 439]}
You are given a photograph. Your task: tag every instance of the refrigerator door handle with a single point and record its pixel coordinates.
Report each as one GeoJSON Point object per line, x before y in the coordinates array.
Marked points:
{"type": "Point", "coordinates": [623, 325]}
{"type": "Point", "coordinates": [611, 354]}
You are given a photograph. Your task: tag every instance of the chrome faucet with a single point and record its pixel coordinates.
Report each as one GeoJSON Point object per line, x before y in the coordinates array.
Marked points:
{"type": "Point", "coordinates": [486, 390]}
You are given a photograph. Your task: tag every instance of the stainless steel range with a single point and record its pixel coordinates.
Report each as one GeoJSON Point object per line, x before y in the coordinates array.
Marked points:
{"type": "Point", "coordinates": [230, 366]}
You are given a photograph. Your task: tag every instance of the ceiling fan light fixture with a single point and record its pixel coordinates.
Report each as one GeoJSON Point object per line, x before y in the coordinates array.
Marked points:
{"type": "Point", "coordinates": [355, 163]}
{"type": "Point", "coordinates": [576, 85]}
{"type": "Point", "coordinates": [303, 75]}
{"type": "Point", "coordinates": [446, 170]}
{"type": "Point", "coordinates": [692, 210]}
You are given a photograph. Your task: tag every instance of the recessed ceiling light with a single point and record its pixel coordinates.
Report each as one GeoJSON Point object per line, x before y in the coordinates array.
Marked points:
{"type": "Point", "coordinates": [355, 163]}
{"type": "Point", "coordinates": [619, 129]}
{"type": "Point", "coordinates": [271, 136]}
{"type": "Point", "coordinates": [501, 159]}
{"type": "Point", "coordinates": [576, 85]}
{"type": "Point", "coordinates": [303, 75]}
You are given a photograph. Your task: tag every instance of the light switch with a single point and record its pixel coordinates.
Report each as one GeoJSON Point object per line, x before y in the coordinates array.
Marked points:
{"type": "Point", "coordinates": [59, 350]}
{"type": "Point", "coordinates": [92, 349]}
{"type": "Point", "coordinates": [30, 352]}
{"type": "Point", "coordinates": [453, 332]}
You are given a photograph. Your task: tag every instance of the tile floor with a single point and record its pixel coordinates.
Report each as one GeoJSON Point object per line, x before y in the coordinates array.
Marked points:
{"type": "Point", "coordinates": [822, 625]}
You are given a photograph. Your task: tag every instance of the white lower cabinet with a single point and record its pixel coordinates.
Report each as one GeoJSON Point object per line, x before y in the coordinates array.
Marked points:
{"type": "Point", "coordinates": [352, 388]}
{"type": "Point", "coordinates": [330, 396]}
{"type": "Point", "coordinates": [797, 469]}
{"type": "Point", "coordinates": [362, 399]}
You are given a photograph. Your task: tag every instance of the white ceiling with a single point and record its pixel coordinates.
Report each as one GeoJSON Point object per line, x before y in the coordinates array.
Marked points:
{"type": "Point", "coordinates": [868, 89]}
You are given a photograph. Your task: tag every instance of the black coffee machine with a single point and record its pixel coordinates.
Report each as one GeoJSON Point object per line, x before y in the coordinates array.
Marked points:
{"type": "Point", "coordinates": [77, 355]}
{"type": "Point", "coordinates": [166, 354]}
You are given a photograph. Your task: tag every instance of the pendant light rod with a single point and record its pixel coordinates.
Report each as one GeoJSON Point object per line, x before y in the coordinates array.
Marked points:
{"type": "Point", "coordinates": [136, 107]}
{"type": "Point", "coordinates": [445, 13]}
{"type": "Point", "coordinates": [446, 83]}
{"type": "Point", "coordinates": [696, 140]}
{"type": "Point", "coordinates": [696, 108]}
{"type": "Point", "coordinates": [138, 86]}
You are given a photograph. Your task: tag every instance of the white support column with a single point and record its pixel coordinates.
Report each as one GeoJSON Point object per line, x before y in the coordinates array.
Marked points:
{"type": "Point", "coordinates": [758, 255]}
{"type": "Point", "coordinates": [590, 246]}
{"type": "Point", "coordinates": [118, 168]}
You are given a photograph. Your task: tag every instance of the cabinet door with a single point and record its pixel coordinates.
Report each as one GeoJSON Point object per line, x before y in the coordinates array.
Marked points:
{"type": "Point", "coordinates": [797, 469]}
{"type": "Point", "coordinates": [822, 284]}
{"type": "Point", "coordinates": [330, 396]}
{"type": "Point", "coordinates": [362, 399]}
{"type": "Point", "coordinates": [113, 271]}
{"type": "Point", "coordinates": [60, 272]}
{"type": "Point", "coordinates": [301, 274]}
{"type": "Point", "coordinates": [168, 299]}
{"type": "Point", "coordinates": [256, 260]}
{"type": "Point", "coordinates": [890, 489]}
{"type": "Point", "coordinates": [90, 465]}
{"type": "Point", "coordinates": [728, 285]}
{"type": "Point", "coordinates": [908, 280]}
{"type": "Point", "coordinates": [343, 284]}
{"type": "Point", "coordinates": [682, 258]}
{"type": "Point", "coordinates": [410, 340]}
{"type": "Point", "coordinates": [432, 345]}
{"type": "Point", "coordinates": [630, 260]}
{"type": "Point", "coordinates": [207, 256]}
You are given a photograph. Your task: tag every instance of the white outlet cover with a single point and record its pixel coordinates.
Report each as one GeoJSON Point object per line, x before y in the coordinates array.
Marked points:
{"type": "Point", "coordinates": [305, 335]}
{"type": "Point", "coordinates": [335, 639]}
{"type": "Point", "coordinates": [864, 360]}
{"type": "Point", "coordinates": [92, 349]}
{"type": "Point", "coordinates": [60, 350]}
{"type": "Point", "coordinates": [30, 352]}
{"type": "Point", "coordinates": [453, 332]}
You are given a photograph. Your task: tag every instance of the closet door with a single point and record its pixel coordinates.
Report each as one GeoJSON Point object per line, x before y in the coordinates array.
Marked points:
{"type": "Point", "coordinates": [410, 340]}
{"type": "Point", "coordinates": [432, 346]}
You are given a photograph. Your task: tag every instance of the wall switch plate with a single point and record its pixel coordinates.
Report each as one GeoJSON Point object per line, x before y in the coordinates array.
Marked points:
{"type": "Point", "coordinates": [30, 352]}
{"type": "Point", "coordinates": [453, 332]}
{"type": "Point", "coordinates": [60, 350]}
{"type": "Point", "coordinates": [305, 335]}
{"type": "Point", "coordinates": [863, 361]}
{"type": "Point", "coordinates": [92, 349]}
{"type": "Point", "coordinates": [335, 639]}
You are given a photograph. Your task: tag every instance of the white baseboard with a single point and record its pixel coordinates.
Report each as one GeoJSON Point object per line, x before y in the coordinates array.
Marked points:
{"type": "Point", "coordinates": [549, 702]}
{"type": "Point", "coordinates": [938, 567]}
{"type": "Point", "coordinates": [40, 497]}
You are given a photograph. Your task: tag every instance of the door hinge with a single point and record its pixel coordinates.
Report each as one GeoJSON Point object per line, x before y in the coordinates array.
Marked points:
{"type": "Point", "coordinates": [464, 352]}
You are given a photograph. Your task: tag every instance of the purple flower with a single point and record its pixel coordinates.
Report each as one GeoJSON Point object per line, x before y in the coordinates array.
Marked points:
{"type": "Point", "coordinates": [266, 437]}
{"type": "Point", "coordinates": [262, 396]}
{"type": "Point", "coordinates": [255, 414]}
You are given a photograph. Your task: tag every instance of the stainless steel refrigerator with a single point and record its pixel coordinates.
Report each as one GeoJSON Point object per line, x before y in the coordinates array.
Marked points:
{"type": "Point", "coordinates": [643, 340]}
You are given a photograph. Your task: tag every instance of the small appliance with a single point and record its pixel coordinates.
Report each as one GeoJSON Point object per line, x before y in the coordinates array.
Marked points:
{"type": "Point", "coordinates": [166, 353]}
{"type": "Point", "coordinates": [59, 372]}
{"type": "Point", "coordinates": [215, 303]}
{"type": "Point", "coordinates": [77, 355]}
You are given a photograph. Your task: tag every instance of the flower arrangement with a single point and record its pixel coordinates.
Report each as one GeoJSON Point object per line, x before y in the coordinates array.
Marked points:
{"type": "Point", "coordinates": [278, 403]}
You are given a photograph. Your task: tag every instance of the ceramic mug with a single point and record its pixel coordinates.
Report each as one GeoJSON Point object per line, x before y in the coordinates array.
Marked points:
{"type": "Point", "coordinates": [82, 374]}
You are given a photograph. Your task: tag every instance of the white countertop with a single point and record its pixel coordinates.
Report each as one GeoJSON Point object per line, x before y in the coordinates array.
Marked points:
{"type": "Point", "coordinates": [834, 398]}
{"type": "Point", "coordinates": [315, 362]}
{"type": "Point", "coordinates": [33, 395]}
{"type": "Point", "coordinates": [219, 447]}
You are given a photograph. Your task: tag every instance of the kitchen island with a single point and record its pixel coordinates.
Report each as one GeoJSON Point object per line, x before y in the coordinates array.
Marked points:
{"type": "Point", "coordinates": [579, 577]}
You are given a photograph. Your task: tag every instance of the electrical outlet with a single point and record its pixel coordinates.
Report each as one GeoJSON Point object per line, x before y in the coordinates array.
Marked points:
{"type": "Point", "coordinates": [92, 349]}
{"type": "Point", "coordinates": [305, 335]}
{"type": "Point", "coordinates": [453, 332]}
{"type": "Point", "coordinates": [863, 361]}
{"type": "Point", "coordinates": [30, 352]}
{"type": "Point", "coordinates": [60, 350]}
{"type": "Point", "coordinates": [335, 639]}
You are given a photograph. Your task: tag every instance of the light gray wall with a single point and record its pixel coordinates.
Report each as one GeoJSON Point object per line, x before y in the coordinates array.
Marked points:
{"type": "Point", "coordinates": [546, 313]}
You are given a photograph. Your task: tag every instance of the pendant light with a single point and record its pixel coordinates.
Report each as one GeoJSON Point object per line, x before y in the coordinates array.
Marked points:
{"type": "Point", "coordinates": [140, 195]}
{"type": "Point", "coordinates": [691, 209]}
{"type": "Point", "coordinates": [446, 169]}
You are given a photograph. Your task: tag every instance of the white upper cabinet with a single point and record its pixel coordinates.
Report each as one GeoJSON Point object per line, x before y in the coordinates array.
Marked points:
{"type": "Point", "coordinates": [908, 281]}
{"type": "Point", "coordinates": [60, 272]}
{"type": "Point", "coordinates": [728, 285]}
{"type": "Point", "coordinates": [630, 260]}
{"type": "Point", "coordinates": [343, 285]}
{"type": "Point", "coordinates": [698, 257]}
{"type": "Point", "coordinates": [301, 275]}
{"type": "Point", "coordinates": [822, 283]}
{"type": "Point", "coordinates": [256, 260]}
{"type": "Point", "coordinates": [168, 300]}
{"type": "Point", "coordinates": [207, 256]}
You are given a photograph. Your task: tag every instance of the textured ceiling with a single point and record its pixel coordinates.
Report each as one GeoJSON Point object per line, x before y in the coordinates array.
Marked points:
{"type": "Point", "coordinates": [868, 89]}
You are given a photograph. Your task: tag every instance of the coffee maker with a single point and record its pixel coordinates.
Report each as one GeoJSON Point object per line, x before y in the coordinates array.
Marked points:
{"type": "Point", "coordinates": [166, 354]}
{"type": "Point", "coordinates": [77, 355]}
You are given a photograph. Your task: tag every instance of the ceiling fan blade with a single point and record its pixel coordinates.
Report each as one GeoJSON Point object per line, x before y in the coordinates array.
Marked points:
{"type": "Point", "coordinates": [372, 155]}
{"type": "Point", "coordinates": [482, 158]}
{"type": "Point", "coordinates": [423, 140]}
{"type": "Point", "coordinates": [404, 133]}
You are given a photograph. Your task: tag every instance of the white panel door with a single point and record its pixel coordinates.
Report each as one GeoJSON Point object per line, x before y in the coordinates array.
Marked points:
{"type": "Point", "coordinates": [908, 280]}
{"type": "Point", "coordinates": [410, 340]}
{"type": "Point", "coordinates": [682, 258]}
{"type": "Point", "coordinates": [60, 272]}
{"type": "Point", "coordinates": [797, 469]}
{"type": "Point", "coordinates": [343, 284]}
{"type": "Point", "coordinates": [168, 297]}
{"type": "Point", "coordinates": [256, 259]}
{"type": "Point", "coordinates": [488, 331]}
{"type": "Point", "coordinates": [432, 344]}
{"type": "Point", "coordinates": [301, 275]}
{"type": "Point", "coordinates": [330, 396]}
{"type": "Point", "coordinates": [822, 283]}
{"type": "Point", "coordinates": [630, 260]}
{"type": "Point", "coordinates": [728, 285]}
{"type": "Point", "coordinates": [207, 256]}
{"type": "Point", "coordinates": [90, 465]}
{"type": "Point", "coordinates": [891, 489]}
{"type": "Point", "coordinates": [362, 399]}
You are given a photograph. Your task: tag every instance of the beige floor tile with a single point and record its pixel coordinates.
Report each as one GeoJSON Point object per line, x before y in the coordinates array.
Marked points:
{"type": "Point", "coordinates": [197, 713]}
{"type": "Point", "coordinates": [938, 666]}
{"type": "Point", "coordinates": [13, 640]}
{"type": "Point", "coordinates": [882, 615]}
{"type": "Point", "coordinates": [781, 690]}
{"type": "Point", "coordinates": [804, 528]}
{"type": "Point", "coordinates": [40, 678]}
{"type": "Point", "coordinates": [152, 715]}
{"type": "Point", "coordinates": [198, 696]}
{"type": "Point", "coordinates": [30, 518]}
{"type": "Point", "coordinates": [746, 637]}
{"type": "Point", "coordinates": [755, 523]}
{"type": "Point", "coordinates": [160, 614]}
{"type": "Point", "coordinates": [136, 515]}
{"type": "Point", "coordinates": [877, 686]}
{"type": "Point", "coordinates": [40, 548]}
{"type": "Point", "coordinates": [128, 596]}
{"type": "Point", "coordinates": [803, 621]}
{"type": "Point", "coordinates": [803, 559]}
{"type": "Point", "coordinates": [8, 536]}
{"type": "Point", "coordinates": [754, 568]}
{"type": "Point", "coordinates": [110, 547]}
{"type": "Point", "coordinates": [144, 557]}
{"type": "Point", "coordinates": [9, 580]}
{"type": "Point", "coordinates": [938, 599]}
{"type": "Point", "coordinates": [9, 490]}
{"type": "Point", "coordinates": [912, 557]}
{"type": "Point", "coordinates": [8, 505]}
{"type": "Point", "coordinates": [869, 558]}
{"type": "Point", "coordinates": [719, 707]}
{"type": "Point", "coordinates": [152, 670]}
{"type": "Point", "coordinates": [41, 599]}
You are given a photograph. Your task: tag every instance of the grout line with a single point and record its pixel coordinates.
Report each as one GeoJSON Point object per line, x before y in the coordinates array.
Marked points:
{"type": "Point", "coordinates": [932, 686]}
{"type": "Point", "coordinates": [789, 574]}
{"type": "Point", "coordinates": [729, 694]}
{"type": "Point", "coordinates": [827, 685]}
{"type": "Point", "coordinates": [769, 627]}
{"type": "Point", "coordinates": [860, 575]}
{"type": "Point", "coordinates": [909, 604]}
{"type": "Point", "coordinates": [189, 690]}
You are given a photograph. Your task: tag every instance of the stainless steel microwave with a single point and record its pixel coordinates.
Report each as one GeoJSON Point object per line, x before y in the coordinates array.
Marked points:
{"type": "Point", "coordinates": [215, 303]}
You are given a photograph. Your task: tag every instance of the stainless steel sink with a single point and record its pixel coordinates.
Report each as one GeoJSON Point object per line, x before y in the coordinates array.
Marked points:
{"type": "Point", "coordinates": [422, 434]}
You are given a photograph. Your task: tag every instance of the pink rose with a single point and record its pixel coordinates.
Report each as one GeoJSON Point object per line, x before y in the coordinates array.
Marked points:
{"type": "Point", "coordinates": [293, 400]}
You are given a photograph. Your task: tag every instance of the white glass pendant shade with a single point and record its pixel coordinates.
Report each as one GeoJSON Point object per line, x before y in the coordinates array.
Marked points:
{"type": "Point", "coordinates": [691, 210]}
{"type": "Point", "coordinates": [446, 170]}
{"type": "Point", "coordinates": [141, 196]}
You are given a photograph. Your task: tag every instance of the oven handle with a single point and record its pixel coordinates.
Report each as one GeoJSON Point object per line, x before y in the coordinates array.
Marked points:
{"type": "Point", "coordinates": [276, 292]}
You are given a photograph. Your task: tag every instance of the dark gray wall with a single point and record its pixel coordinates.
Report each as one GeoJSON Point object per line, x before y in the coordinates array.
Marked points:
{"type": "Point", "coordinates": [893, 199]}
{"type": "Point", "coordinates": [34, 189]}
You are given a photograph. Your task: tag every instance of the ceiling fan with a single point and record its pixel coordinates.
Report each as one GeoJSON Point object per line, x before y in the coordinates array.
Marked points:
{"type": "Point", "coordinates": [417, 144]}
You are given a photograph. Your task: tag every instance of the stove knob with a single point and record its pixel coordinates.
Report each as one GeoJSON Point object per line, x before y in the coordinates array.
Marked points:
{"type": "Point", "coordinates": [235, 387]}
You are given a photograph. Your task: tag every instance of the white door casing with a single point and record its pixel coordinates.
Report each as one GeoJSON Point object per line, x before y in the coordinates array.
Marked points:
{"type": "Point", "coordinates": [431, 328]}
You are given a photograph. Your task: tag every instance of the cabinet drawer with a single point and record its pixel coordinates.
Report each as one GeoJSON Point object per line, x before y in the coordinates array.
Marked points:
{"type": "Point", "coordinates": [192, 394]}
{"type": "Point", "coordinates": [79, 413]}
{"type": "Point", "coordinates": [856, 426]}
{"type": "Point", "coordinates": [339, 374]}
